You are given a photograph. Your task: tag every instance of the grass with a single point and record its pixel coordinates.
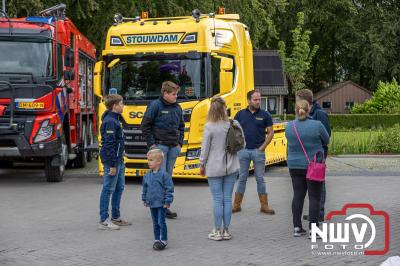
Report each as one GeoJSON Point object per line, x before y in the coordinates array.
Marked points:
{"type": "Point", "coordinates": [353, 142]}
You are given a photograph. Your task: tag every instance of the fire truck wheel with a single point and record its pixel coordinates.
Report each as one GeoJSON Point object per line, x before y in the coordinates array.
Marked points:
{"type": "Point", "coordinates": [55, 173]}
{"type": "Point", "coordinates": [81, 156]}
{"type": "Point", "coordinates": [90, 140]}
{"type": "Point", "coordinates": [6, 164]}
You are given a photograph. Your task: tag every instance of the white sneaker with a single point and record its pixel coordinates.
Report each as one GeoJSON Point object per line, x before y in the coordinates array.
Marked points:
{"type": "Point", "coordinates": [108, 225]}
{"type": "Point", "coordinates": [215, 235]}
{"type": "Point", "coordinates": [226, 235]}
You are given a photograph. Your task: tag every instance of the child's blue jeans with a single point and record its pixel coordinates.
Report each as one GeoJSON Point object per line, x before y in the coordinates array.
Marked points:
{"type": "Point", "coordinates": [159, 225]}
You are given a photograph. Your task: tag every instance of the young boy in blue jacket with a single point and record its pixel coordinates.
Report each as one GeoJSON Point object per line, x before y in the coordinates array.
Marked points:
{"type": "Point", "coordinates": [163, 127]}
{"type": "Point", "coordinates": [157, 194]}
{"type": "Point", "coordinates": [112, 157]}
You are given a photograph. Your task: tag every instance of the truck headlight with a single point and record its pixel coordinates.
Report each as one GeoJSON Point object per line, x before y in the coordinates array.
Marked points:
{"type": "Point", "coordinates": [193, 154]}
{"type": "Point", "coordinates": [45, 131]}
{"type": "Point", "coordinates": [187, 114]}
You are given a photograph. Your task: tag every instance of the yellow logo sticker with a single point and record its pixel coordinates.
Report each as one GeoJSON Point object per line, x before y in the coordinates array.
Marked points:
{"type": "Point", "coordinates": [143, 39]}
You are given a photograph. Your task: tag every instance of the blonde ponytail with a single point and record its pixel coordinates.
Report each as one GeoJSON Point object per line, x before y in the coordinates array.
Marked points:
{"type": "Point", "coordinates": [302, 109]}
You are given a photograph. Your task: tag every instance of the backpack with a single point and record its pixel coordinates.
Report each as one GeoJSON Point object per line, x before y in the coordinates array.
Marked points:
{"type": "Point", "coordinates": [234, 138]}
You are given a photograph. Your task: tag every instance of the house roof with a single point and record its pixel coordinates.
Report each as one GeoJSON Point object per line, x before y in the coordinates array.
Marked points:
{"type": "Point", "coordinates": [272, 90]}
{"type": "Point", "coordinates": [337, 86]}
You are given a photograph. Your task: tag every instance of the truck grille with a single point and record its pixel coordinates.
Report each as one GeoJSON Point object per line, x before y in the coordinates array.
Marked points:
{"type": "Point", "coordinates": [135, 144]}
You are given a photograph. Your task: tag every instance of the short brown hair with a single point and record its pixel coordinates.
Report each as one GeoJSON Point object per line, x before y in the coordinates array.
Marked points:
{"type": "Point", "coordinates": [305, 94]}
{"type": "Point", "coordinates": [169, 86]}
{"type": "Point", "coordinates": [217, 110]}
{"type": "Point", "coordinates": [250, 94]}
{"type": "Point", "coordinates": [302, 109]}
{"type": "Point", "coordinates": [112, 99]}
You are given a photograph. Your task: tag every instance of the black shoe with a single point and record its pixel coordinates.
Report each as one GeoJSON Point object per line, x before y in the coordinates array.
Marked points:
{"type": "Point", "coordinates": [158, 245]}
{"type": "Point", "coordinates": [320, 219]}
{"type": "Point", "coordinates": [171, 215]}
{"type": "Point", "coordinates": [298, 231]}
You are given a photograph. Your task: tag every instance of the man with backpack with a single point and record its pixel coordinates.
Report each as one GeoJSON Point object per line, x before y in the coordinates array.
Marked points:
{"type": "Point", "coordinates": [255, 122]}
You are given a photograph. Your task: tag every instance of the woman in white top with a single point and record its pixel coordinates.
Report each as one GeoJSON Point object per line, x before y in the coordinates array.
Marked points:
{"type": "Point", "coordinates": [221, 168]}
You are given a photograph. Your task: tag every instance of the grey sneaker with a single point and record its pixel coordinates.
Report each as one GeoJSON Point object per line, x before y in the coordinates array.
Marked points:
{"type": "Point", "coordinates": [298, 231]}
{"type": "Point", "coordinates": [108, 225]}
{"type": "Point", "coordinates": [226, 234]}
{"type": "Point", "coordinates": [120, 222]}
{"type": "Point", "coordinates": [215, 235]}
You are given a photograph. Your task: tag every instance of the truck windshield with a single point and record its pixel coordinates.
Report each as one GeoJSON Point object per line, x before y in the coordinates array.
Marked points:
{"type": "Point", "coordinates": [26, 58]}
{"type": "Point", "coordinates": [140, 78]}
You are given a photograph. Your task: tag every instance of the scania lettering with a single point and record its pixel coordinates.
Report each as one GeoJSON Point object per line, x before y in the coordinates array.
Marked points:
{"type": "Point", "coordinates": [211, 55]}
{"type": "Point", "coordinates": [46, 95]}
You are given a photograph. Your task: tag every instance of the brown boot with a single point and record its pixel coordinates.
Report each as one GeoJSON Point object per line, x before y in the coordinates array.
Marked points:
{"type": "Point", "coordinates": [237, 202]}
{"type": "Point", "coordinates": [264, 204]}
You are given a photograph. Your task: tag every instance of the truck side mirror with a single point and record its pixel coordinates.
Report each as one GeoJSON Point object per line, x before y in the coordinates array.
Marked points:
{"type": "Point", "coordinates": [69, 58]}
{"type": "Point", "coordinates": [69, 74]}
{"type": "Point", "coordinates": [98, 78]}
{"type": "Point", "coordinates": [226, 75]}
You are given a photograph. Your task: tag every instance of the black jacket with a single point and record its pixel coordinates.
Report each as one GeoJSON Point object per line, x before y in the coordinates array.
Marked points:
{"type": "Point", "coordinates": [317, 113]}
{"type": "Point", "coordinates": [163, 123]}
{"type": "Point", "coordinates": [112, 139]}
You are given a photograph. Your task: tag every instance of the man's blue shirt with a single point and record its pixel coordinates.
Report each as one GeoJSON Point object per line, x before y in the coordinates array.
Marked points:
{"type": "Point", "coordinates": [254, 126]}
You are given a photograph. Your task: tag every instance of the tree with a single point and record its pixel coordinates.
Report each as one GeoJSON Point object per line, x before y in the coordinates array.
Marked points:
{"type": "Point", "coordinates": [386, 100]}
{"type": "Point", "coordinates": [298, 62]}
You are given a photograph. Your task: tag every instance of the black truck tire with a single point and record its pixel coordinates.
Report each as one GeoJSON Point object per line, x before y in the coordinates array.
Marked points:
{"type": "Point", "coordinates": [81, 156]}
{"type": "Point", "coordinates": [56, 173]}
{"type": "Point", "coordinates": [90, 139]}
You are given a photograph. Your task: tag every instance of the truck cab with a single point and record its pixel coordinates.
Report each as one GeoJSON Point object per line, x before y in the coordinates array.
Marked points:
{"type": "Point", "coordinates": [40, 91]}
{"type": "Point", "coordinates": [205, 54]}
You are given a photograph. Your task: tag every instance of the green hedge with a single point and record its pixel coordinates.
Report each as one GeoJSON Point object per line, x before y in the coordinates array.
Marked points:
{"type": "Point", "coordinates": [357, 121]}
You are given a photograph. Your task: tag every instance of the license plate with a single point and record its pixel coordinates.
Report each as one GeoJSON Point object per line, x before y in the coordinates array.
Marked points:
{"type": "Point", "coordinates": [30, 105]}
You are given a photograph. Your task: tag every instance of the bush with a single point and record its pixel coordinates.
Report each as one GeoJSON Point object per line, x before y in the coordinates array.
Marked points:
{"type": "Point", "coordinates": [386, 100]}
{"type": "Point", "coordinates": [340, 122]}
{"type": "Point", "coordinates": [366, 121]}
{"type": "Point", "coordinates": [388, 141]}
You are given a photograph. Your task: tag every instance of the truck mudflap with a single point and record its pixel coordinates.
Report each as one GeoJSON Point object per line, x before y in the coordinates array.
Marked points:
{"type": "Point", "coordinates": [17, 146]}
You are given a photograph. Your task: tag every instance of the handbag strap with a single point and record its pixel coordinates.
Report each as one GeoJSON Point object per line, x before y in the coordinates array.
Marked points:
{"type": "Point", "coordinates": [301, 143]}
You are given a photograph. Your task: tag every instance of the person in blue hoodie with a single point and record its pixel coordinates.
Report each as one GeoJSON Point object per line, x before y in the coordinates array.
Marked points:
{"type": "Point", "coordinates": [157, 193]}
{"type": "Point", "coordinates": [317, 113]}
{"type": "Point", "coordinates": [313, 136]}
{"type": "Point", "coordinates": [112, 157]}
{"type": "Point", "coordinates": [163, 127]}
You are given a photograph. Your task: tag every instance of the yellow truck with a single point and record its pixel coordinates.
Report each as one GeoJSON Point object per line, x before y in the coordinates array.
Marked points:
{"type": "Point", "coordinates": [206, 54]}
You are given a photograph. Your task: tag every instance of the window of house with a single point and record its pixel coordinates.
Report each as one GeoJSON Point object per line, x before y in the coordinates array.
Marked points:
{"type": "Point", "coordinates": [326, 105]}
{"type": "Point", "coordinates": [264, 103]}
{"type": "Point", "coordinates": [272, 105]}
{"type": "Point", "coordinates": [349, 105]}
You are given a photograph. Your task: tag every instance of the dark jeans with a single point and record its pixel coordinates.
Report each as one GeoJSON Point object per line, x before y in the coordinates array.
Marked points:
{"type": "Point", "coordinates": [300, 187]}
{"type": "Point", "coordinates": [159, 225]}
{"type": "Point", "coordinates": [323, 191]}
{"type": "Point", "coordinates": [322, 203]}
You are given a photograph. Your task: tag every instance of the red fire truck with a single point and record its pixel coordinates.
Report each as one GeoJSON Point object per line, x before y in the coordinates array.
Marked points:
{"type": "Point", "coordinates": [47, 109]}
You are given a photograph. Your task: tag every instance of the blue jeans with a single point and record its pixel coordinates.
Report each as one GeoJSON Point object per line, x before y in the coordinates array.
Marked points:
{"type": "Point", "coordinates": [221, 189]}
{"type": "Point", "coordinates": [170, 155]}
{"type": "Point", "coordinates": [112, 185]}
{"type": "Point", "coordinates": [258, 158]}
{"type": "Point", "coordinates": [159, 225]}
